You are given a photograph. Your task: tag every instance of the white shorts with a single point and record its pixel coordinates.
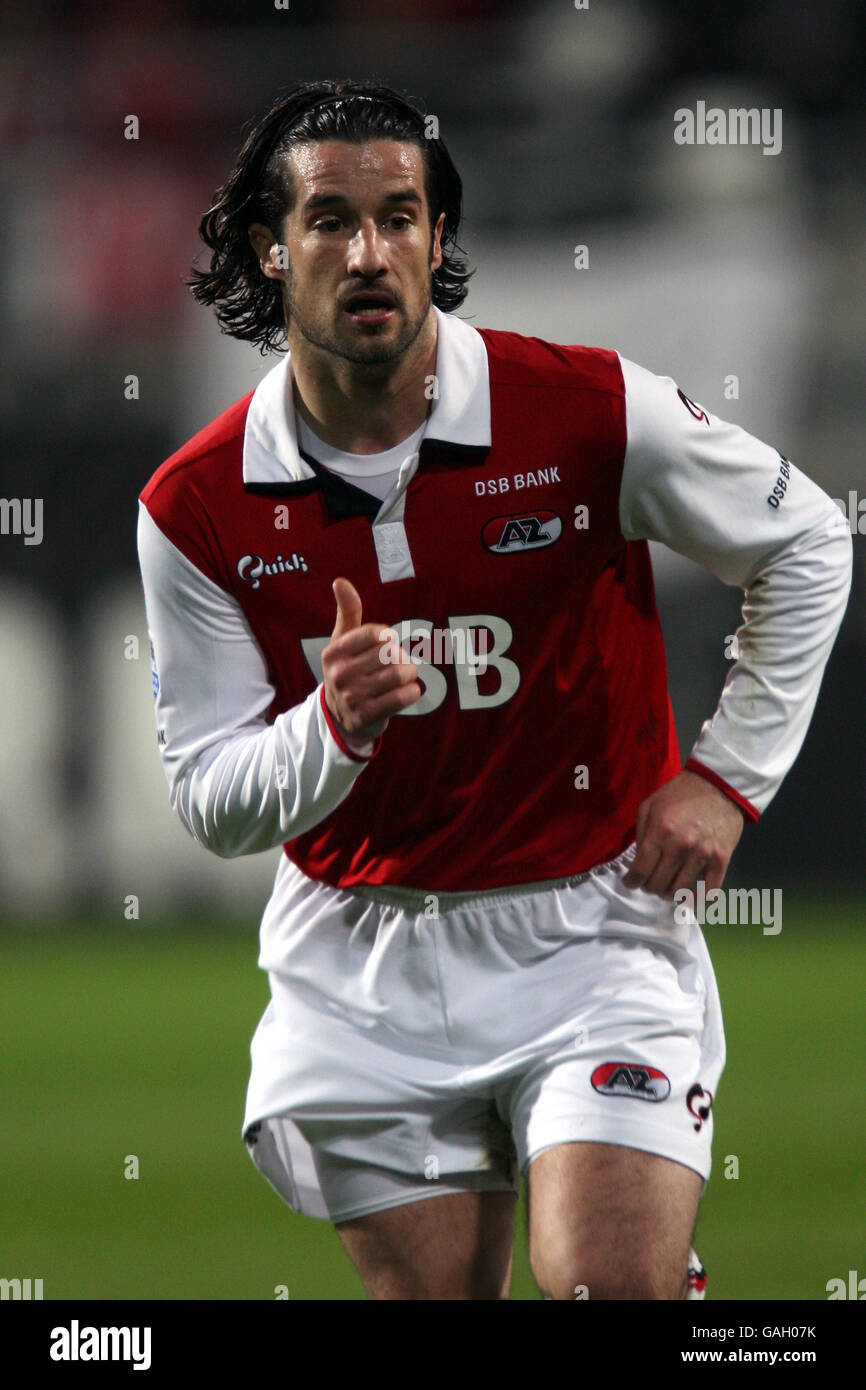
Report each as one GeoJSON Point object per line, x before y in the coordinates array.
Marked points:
{"type": "Point", "coordinates": [406, 1054]}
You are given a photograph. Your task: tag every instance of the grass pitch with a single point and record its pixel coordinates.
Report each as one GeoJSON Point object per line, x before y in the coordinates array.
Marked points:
{"type": "Point", "coordinates": [125, 1042]}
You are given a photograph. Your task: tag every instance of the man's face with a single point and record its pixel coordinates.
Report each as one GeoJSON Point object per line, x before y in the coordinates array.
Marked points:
{"type": "Point", "coordinates": [360, 253]}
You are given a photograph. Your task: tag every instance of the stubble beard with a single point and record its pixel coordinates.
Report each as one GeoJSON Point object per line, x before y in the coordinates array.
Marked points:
{"type": "Point", "coordinates": [371, 353]}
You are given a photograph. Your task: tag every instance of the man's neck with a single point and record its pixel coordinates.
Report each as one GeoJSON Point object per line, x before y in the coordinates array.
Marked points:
{"type": "Point", "coordinates": [362, 411]}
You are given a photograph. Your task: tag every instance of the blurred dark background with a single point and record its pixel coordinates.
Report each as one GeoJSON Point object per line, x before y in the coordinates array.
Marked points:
{"type": "Point", "coordinates": [708, 264]}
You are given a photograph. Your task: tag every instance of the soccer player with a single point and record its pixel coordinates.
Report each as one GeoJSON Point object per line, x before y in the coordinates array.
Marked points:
{"type": "Point", "coordinates": [477, 970]}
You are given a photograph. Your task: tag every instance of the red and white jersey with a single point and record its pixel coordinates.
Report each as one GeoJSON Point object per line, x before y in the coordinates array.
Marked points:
{"type": "Point", "coordinates": [519, 525]}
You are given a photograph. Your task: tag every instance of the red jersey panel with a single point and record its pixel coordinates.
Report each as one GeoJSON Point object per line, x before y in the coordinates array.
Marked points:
{"type": "Point", "coordinates": [529, 769]}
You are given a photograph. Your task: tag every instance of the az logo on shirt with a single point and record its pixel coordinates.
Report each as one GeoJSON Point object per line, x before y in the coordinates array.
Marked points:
{"type": "Point", "coordinates": [503, 535]}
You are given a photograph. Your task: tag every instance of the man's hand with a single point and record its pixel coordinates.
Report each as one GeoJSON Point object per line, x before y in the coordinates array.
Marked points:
{"type": "Point", "coordinates": [686, 831]}
{"type": "Point", "coordinates": [364, 686]}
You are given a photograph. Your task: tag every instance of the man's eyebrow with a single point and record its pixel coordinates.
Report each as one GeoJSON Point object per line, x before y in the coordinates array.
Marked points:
{"type": "Point", "coordinates": [324, 200]}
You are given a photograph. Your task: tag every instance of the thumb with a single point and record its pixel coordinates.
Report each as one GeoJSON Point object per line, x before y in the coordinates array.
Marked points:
{"type": "Point", "coordinates": [348, 607]}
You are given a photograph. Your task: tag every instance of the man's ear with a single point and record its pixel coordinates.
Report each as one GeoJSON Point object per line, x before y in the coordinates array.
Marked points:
{"type": "Point", "coordinates": [271, 256]}
{"type": "Point", "coordinates": [436, 256]}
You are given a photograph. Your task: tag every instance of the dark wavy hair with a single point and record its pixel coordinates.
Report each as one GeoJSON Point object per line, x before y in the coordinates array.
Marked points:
{"type": "Point", "coordinates": [247, 304]}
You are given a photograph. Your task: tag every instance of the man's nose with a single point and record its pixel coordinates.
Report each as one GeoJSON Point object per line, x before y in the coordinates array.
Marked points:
{"type": "Point", "coordinates": [367, 252]}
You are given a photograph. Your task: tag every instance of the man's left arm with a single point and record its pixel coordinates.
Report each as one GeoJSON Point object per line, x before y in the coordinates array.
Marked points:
{"type": "Point", "coordinates": [716, 494]}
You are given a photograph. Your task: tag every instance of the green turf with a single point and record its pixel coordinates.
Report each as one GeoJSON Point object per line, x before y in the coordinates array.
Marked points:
{"type": "Point", "coordinates": [126, 1040]}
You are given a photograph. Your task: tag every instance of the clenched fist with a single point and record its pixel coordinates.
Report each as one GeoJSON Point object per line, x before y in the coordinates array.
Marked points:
{"type": "Point", "coordinates": [364, 686]}
{"type": "Point", "coordinates": [687, 830]}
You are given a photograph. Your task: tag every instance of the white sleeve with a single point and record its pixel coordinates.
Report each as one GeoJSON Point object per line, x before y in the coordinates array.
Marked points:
{"type": "Point", "coordinates": [717, 495]}
{"type": "Point", "coordinates": [239, 784]}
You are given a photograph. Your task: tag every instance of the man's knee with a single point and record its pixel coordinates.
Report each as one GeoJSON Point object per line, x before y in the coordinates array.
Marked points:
{"type": "Point", "coordinates": [610, 1222]}
{"type": "Point", "coordinates": [566, 1276]}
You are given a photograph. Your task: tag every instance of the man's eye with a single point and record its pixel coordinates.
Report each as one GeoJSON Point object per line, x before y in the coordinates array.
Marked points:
{"type": "Point", "coordinates": [328, 224]}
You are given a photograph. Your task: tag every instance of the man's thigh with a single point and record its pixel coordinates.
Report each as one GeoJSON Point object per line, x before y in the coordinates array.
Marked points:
{"type": "Point", "coordinates": [452, 1246]}
{"type": "Point", "coordinates": [610, 1222]}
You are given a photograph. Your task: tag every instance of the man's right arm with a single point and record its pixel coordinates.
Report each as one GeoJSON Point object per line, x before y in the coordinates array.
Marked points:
{"type": "Point", "coordinates": [239, 784]}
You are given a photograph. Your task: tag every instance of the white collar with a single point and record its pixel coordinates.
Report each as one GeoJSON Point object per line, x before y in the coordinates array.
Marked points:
{"type": "Point", "coordinates": [460, 414]}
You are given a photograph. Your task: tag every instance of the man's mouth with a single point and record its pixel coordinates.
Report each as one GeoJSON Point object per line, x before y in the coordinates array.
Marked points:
{"type": "Point", "coordinates": [370, 306]}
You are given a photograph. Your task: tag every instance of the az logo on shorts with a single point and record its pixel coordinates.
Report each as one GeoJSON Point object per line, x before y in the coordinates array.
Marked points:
{"type": "Point", "coordinates": [627, 1079]}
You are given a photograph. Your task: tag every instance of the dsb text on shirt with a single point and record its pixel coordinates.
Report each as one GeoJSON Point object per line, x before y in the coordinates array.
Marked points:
{"type": "Point", "coordinates": [517, 481]}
